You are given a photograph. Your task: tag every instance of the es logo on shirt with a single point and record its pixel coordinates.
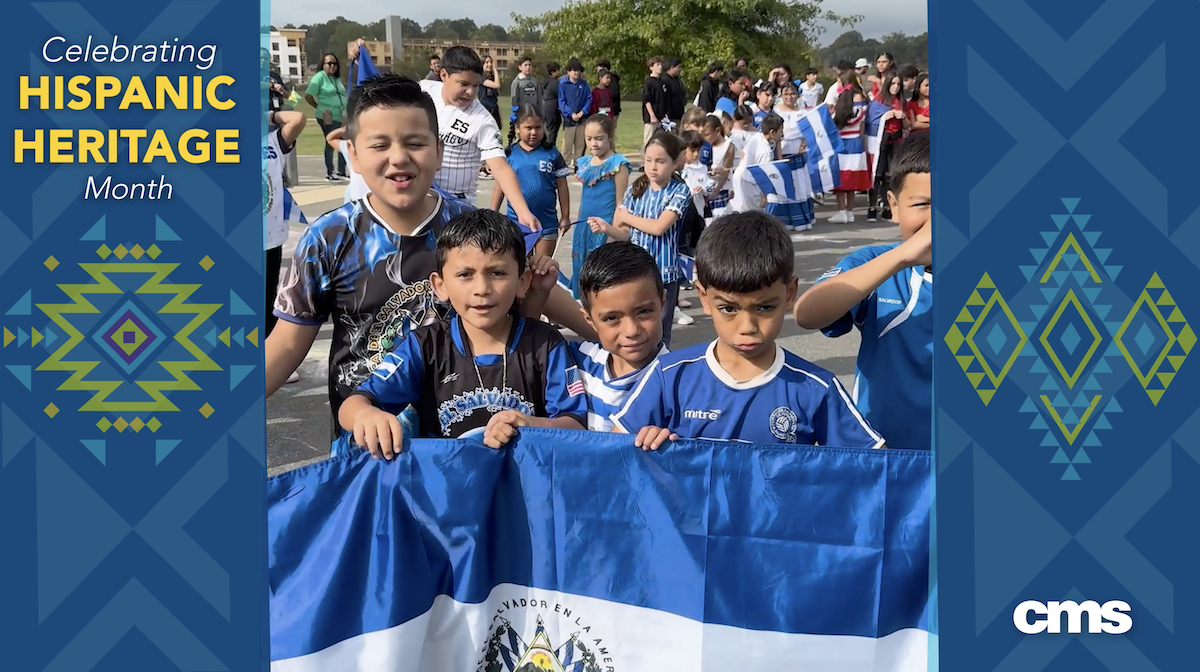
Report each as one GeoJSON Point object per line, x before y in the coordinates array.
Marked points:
{"type": "Point", "coordinates": [545, 166]}
{"type": "Point", "coordinates": [1111, 618]}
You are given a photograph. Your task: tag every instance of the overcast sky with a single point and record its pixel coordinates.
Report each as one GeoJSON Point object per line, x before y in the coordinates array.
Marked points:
{"type": "Point", "coordinates": [881, 16]}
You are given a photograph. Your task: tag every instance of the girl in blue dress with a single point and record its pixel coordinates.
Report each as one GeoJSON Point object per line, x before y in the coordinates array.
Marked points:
{"type": "Point", "coordinates": [604, 174]}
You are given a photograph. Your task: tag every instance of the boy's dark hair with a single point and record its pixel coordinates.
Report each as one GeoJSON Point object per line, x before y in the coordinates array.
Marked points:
{"type": "Point", "coordinates": [613, 264]}
{"type": "Point", "coordinates": [771, 123]}
{"type": "Point", "coordinates": [434, 57]}
{"type": "Point", "coordinates": [715, 66]}
{"type": "Point", "coordinates": [488, 230]}
{"type": "Point", "coordinates": [913, 159]}
{"type": "Point", "coordinates": [743, 113]}
{"type": "Point", "coordinates": [462, 59]}
{"type": "Point", "coordinates": [671, 62]}
{"type": "Point", "coordinates": [811, 71]}
{"type": "Point", "coordinates": [574, 65]}
{"type": "Point", "coordinates": [654, 60]}
{"type": "Point", "coordinates": [552, 67]}
{"type": "Point", "coordinates": [387, 91]}
{"type": "Point", "coordinates": [734, 75]}
{"type": "Point", "coordinates": [744, 252]}
{"type": "Point", "coordinates": [604, 63]}
{"type": "Point", "coordinates": [910, 72]}
{"type": "Point", "coordinates": [601, 74]}
{"type": "Point", "coordinates": [692, 140]}
{"type": "Point", "coordinates": [844, 65]}
{"type": "Point", "coordinates": [524, 60]}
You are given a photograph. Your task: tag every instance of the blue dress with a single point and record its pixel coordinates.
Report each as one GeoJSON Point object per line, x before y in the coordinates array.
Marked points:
{"type": "Point", "coordinates": [599, 199]}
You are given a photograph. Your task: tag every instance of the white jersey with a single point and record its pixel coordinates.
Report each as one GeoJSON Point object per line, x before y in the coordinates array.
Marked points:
{"type": "Point", "coordinates": [810, 95]}
{"type": "Point", "coordinates": [791, 130]}
{"type": "Point", "coordinates": [470, 137]}
{"type": "Point", "coordinates": [358, 187]}
{"type": "Point", "coordinates": [275, 229]}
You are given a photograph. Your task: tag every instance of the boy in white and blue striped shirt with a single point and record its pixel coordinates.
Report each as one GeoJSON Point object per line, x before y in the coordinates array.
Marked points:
{"type": "Point", "coordinates": [622, 295]}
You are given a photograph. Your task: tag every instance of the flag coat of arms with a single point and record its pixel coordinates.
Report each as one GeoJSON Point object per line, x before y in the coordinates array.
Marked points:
{"type": "Point", "coordinates": [788, 180]}
{"type": "Point", "coordinates": [824, 143]}
{"type": "Point", "coordinates": [577, 552]}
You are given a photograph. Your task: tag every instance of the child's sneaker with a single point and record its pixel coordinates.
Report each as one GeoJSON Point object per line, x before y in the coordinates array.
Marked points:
{"type": "Point", "coordinates": [849, 217]}
{"type": "Point", "coordinates": [294, 377]}
{"type": "Point", "coordinates": [683, 303]}
{"type": "Point", "coordinates": [838, 217]}
{"type": "Point", "coordinates": [682, 317]}
{"type": "Point", "coordinates": [872, 215]}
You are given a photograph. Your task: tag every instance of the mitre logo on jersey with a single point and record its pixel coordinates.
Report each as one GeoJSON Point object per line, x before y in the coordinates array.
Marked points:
{"type": "Point", "coordinates": [701, 414]}
{"type": "Point", "coordinates": [509, 650]}
{"type": "Point", "coordinates": [1112, 618]}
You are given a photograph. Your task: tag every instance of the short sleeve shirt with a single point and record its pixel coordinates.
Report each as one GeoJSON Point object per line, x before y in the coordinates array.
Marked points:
{"type": "Point", "coordinates": [470, 136]}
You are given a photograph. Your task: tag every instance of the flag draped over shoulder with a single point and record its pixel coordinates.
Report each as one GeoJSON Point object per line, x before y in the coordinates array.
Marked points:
{"type": "Point", "coordinates": [366, 67]}
{"type": "Point", "coordinates": [824, 143]}
{"type": "Point", "coordinates": [578, 552]}
{"type": "Point", "coordinates": [873, 133]}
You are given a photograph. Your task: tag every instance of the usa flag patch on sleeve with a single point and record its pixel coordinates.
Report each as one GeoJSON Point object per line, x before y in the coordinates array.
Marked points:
{"type": "Point", "coordinates": [574, 382]}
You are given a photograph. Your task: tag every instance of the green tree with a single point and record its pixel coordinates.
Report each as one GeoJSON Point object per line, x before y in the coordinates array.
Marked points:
{"type": "Point", "coordinates": [440, 29]}
{"type": "Point", "coordinates": [463, 28]}
{"type": "Point", "coordinates": [628, 32]}
{"type": "Point", "coordinates": [410, 29]}
{"type": "Point", "coordinates": [490, 32]}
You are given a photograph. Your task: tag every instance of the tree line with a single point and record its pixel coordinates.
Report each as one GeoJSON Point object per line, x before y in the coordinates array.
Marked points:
{"type": "Point", "coordinates": [628, 32]}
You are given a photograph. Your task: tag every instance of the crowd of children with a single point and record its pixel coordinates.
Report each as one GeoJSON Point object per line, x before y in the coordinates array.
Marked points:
{"type": "Point", "coordinates": [436, 304]}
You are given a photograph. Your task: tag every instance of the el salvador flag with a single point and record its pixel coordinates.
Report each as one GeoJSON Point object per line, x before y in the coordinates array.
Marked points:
{"type": "Point", "coordinates": [824, 143]}
{"type": "Point", "coordinates": [873, 133]}
{"type": "Point", "coordinates": [576, 551]}
{"type": "Point", "coordinates": [292, 214]}
{"type": "Point", "coordinates": [787, 179]}
{"type": "Point", "coordinates": [366, 66]}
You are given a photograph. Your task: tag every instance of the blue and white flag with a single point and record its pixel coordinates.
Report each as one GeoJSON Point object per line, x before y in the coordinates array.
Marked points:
{"type": "Point", "coordinates": [789, 179]}
{"type": "Point", "coordinates": [824, 143]}
{"type": "Point", "coordinates": [873, 133]}
{"type": "Point", "coordinates": [577, 552]}
{"type": "Point", "coordinates": [688, 266]}
{"type": "Point", "coordinates": [292, 214]}
{"type": "Point", "coordinates": [366, 66]}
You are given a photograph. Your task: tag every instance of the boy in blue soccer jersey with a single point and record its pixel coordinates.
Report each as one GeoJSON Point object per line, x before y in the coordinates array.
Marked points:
{"type": "Point", "coordinates": [622, 295]}
{"type": "Point", "coordinates": [484, 372]}
{"type": "Point", "coordinates": [743, 386]}
{"type": "Point", "coordinates": [886, 291]}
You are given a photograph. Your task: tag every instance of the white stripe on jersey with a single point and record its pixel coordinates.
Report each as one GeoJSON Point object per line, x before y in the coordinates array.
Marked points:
{"type": "Point", "coordinates": [470, 137]}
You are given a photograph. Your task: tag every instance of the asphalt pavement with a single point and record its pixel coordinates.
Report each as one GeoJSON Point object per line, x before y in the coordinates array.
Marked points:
{"type": "Point", "coordinates": [298, 419]}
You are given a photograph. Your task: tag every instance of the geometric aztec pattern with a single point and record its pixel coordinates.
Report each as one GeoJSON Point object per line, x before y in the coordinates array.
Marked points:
{"type": "Point", "coordinates": [1070, 338]}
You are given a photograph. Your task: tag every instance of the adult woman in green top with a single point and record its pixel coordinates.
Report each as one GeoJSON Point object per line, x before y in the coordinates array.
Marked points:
{"type": "Point", "coordinates": [327, 95]}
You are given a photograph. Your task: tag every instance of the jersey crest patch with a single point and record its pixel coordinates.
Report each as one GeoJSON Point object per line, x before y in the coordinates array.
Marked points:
{"type": "Point", "coordinates": [783, 424]}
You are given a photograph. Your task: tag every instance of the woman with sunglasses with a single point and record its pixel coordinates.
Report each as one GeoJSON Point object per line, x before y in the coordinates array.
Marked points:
{"type": "Point", "coordinates": [327, 94]}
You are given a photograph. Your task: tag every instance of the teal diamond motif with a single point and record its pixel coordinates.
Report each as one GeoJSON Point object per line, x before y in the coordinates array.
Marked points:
{"type": "Point", "coordinates": [1144, 338]}
{"type": "Point", "coordinates": [996, 338]}
{"type": "Point", "coordinates": [1070, 339]}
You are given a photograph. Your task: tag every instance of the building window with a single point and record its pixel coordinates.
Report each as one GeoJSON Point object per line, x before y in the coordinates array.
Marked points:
{"type": "Point", "coordinates": [291, 42]}
{"type": "Point", "coordinates": [274, 46]}
{"type": "Point", "coordinates": [293, 72]}
{"type": "Point", "coordinates": [502, 51]}
{"type": "Point", "coordinates": [503, 63]}
{"type": "Point", "coordinates": [292, 58]}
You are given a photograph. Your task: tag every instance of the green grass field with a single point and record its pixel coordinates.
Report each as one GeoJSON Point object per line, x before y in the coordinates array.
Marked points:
{"type": "Point", "coordinates": [629, 132]}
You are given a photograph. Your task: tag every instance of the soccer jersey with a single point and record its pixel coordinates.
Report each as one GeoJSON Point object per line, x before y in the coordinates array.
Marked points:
{"type": "Point", "coordinates": [793, 401]}
{"type": "Point", "coordinates": [373, 283]}
{"type": "Point", "coordinates": [470, 136]}
{"type": "Point", "coordinates": [606, 394]}
{"type": "Point", "coordinates": [275, 228]}
{"type": "Point", "coordinates": [651, 205]}
{"type": "Point", "coordinates": [893, 380]}
{"type": "Point", "coordinates": [538, 172]}
{"type": "Point", "coordinates": [810, 94]}
{"type": "Point", "coordinates": [456, 393]}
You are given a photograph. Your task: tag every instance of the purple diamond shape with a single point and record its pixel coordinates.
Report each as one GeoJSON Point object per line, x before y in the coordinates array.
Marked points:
{"type": "Point", "coordinates": [110, 336]}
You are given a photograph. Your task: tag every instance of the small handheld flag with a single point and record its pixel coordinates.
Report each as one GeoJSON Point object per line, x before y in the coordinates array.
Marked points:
{"type": "Point", "coordinates": [292, 214]}
{"type": "Point", "coordinates": [873, 133]}
{"type": "Point", "coordinates": [366, 67]}
{"type": "Point", "coordinates": [788, 179]}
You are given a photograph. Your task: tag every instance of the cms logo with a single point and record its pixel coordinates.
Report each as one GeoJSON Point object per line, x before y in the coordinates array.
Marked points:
{"type": "Point", "coordinates": [1034, 618]}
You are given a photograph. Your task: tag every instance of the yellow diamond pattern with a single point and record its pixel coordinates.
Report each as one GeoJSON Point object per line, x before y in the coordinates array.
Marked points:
{"type": "Point", "coordinates": [137, 251]}
{"type": "Point", "coordinates": [1070, 300]}
{"type": "Point", "coordinates": [51, 410]}
{"type": "Point", "coordinates": [153, 251]}
{"type": "Point", "coordinates": [103, 251]}
{"type": "Point", "coordinates": [51, 263]}
{"type": "Point", "coordinates": [154, 424]}
{"type": "Point", "coordinates": [955, 338]}
{"type": "Point", "coordinates": [104, 424]}
{"type": "Point", "coordinates": [1165, 366]}
{"type": "Point", "coordinates": [137, 424]}
{"type": "Point", "coordinates": [207, 263]}
{"type": "Point", "coordinates": [206, 410]}
{"type": "Point", "coordinates": [120, 424]}
{"type": "Point", "coordinates": [120, 252]}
